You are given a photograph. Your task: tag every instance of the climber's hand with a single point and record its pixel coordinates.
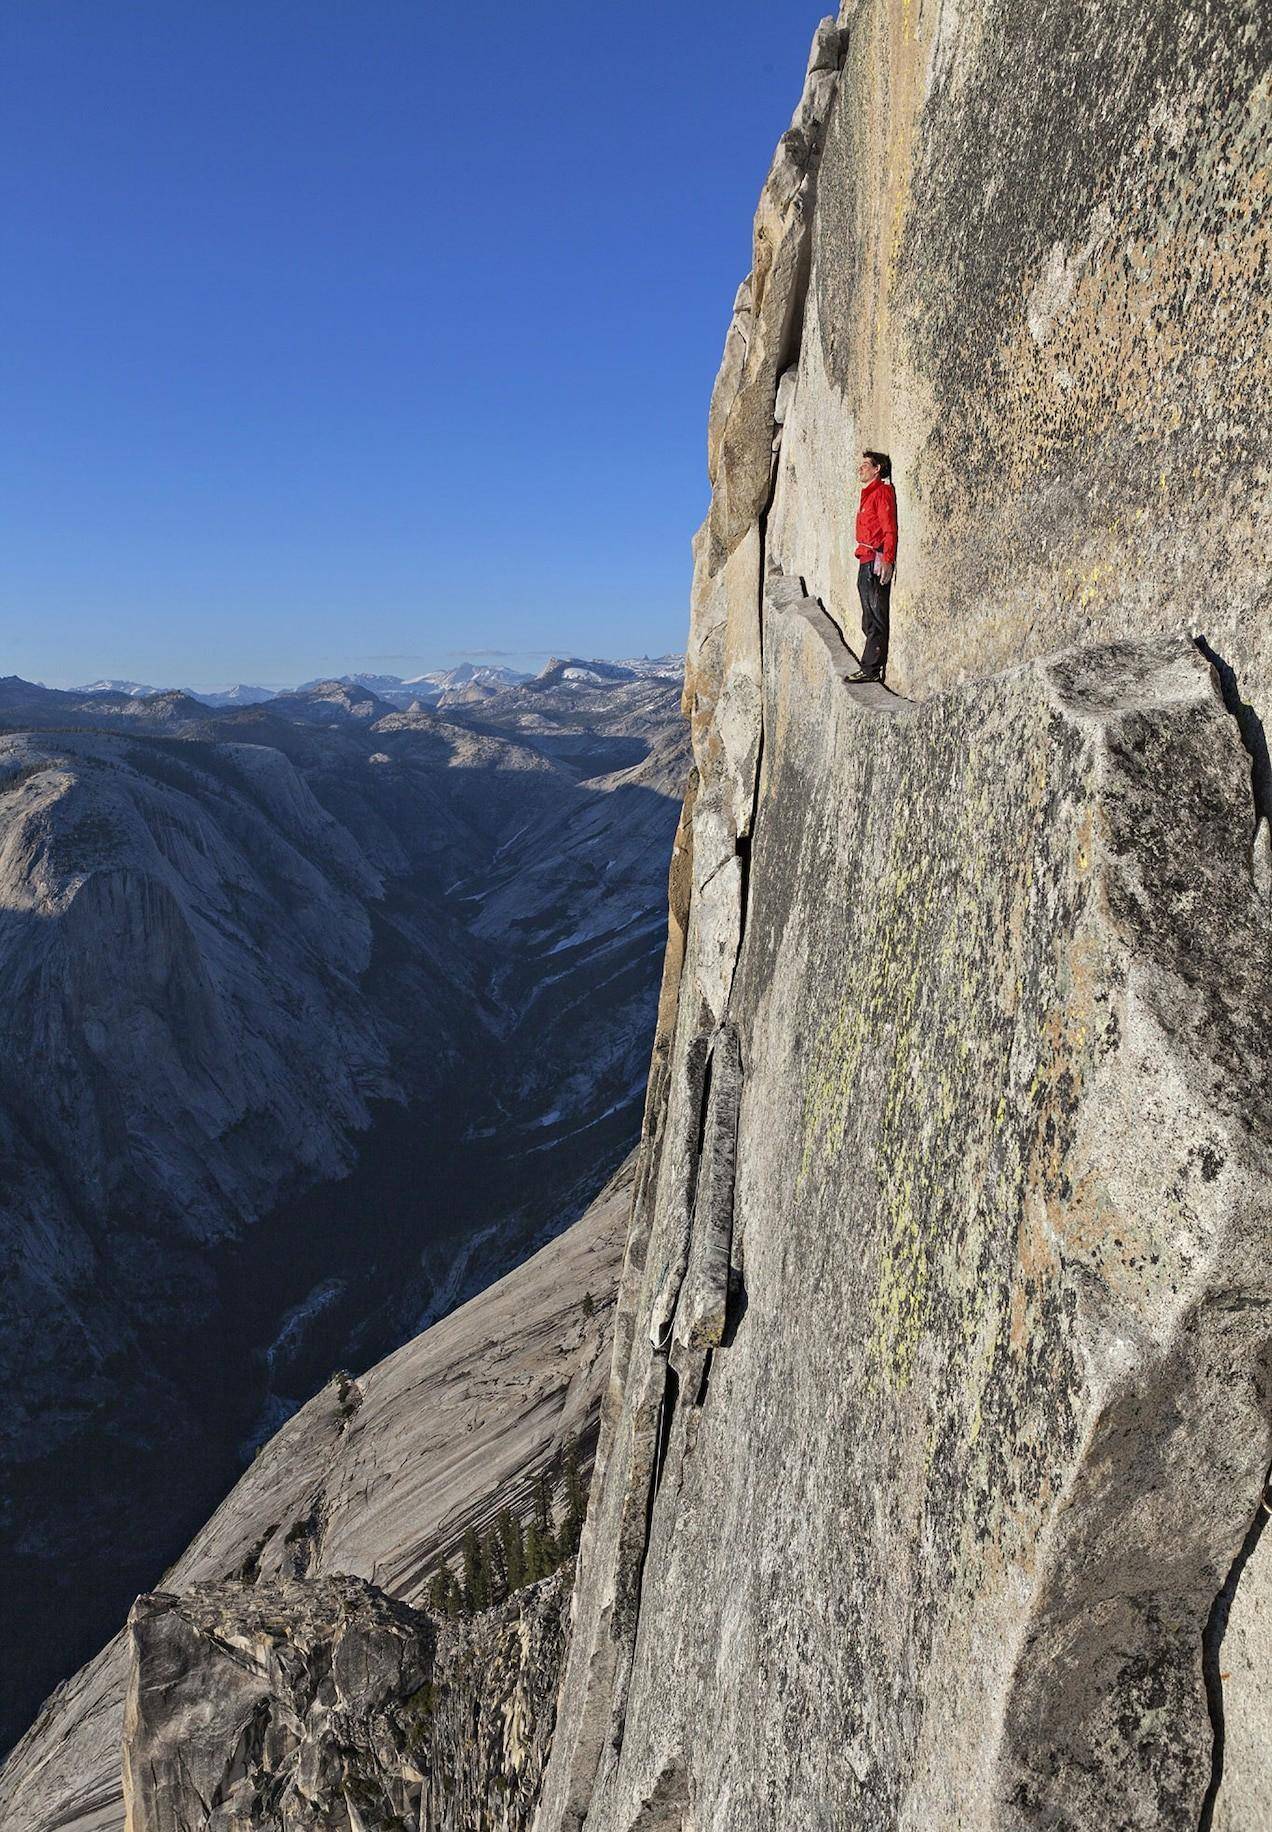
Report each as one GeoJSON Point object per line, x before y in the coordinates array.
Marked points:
{"type": "Point", "coordinates": [885, 574]}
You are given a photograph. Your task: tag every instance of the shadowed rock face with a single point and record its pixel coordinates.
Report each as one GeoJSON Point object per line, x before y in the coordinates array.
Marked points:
{"type": "Point", "coordinates": [940, 1418]}
{"type": "Point", "coordinates": [279, 1705]}
{"type": "Point", "coordinates": [371, 1483]}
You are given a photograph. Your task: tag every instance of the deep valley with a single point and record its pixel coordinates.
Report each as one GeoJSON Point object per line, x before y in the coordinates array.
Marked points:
{"type": "Point", "coordinates": [323, 1013]}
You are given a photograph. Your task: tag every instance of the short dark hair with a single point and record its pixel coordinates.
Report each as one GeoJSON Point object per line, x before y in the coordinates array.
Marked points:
{"type": "Point", "coordinates": [882, 460]}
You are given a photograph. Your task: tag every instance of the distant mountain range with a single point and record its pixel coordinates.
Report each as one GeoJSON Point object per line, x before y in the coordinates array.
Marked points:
{"type": "Point", "coordinates": [239, 695]}
{"type": "Point", "coordinates": [474, 680]}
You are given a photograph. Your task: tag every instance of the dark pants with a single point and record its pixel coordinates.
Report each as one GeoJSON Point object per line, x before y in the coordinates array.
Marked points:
{"type": "Point", "coordinates": [876, 606]}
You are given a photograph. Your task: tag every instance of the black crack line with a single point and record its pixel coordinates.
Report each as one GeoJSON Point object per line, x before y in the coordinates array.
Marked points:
{"type": "Point", "coordinates": [1212, 1646]}
{"type": "Point", "coordinates": [1250, 726]}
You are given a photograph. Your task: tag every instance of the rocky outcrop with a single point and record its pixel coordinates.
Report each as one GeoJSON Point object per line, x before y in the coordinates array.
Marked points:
{"type": "Point", "coordinates": [373, 1482]}
{"type": "Point", "coordinates": [275, 1705]}
{"type": "Point", "coordinates": [324, 1706]}
{"type": "Point", "coordinates": [932, 1467]}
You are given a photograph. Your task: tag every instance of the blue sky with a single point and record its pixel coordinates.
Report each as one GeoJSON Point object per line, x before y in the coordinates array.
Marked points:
{"type": "Point", "coordinates": [362, 334]}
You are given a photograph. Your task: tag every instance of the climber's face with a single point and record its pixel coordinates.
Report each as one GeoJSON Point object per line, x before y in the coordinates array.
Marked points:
{"type": "Point", "coordinates": [867, 470]}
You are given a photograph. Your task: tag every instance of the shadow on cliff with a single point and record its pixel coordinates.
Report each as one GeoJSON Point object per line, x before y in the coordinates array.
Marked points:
{"type": "Point", "coordinates": [1250, 726]}
{"type": "Point", "coordinates": [1212, 1647]}
{"type": "Point", "coordinates": [489, 1036]}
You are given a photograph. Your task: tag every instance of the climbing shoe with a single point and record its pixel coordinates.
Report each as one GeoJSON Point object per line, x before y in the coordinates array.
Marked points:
{"type": "Point", "coordinates": [862, 679]}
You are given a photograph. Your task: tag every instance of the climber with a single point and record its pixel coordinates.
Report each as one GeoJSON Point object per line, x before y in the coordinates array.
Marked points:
{"type": "Point", "coordinates": [877, 552]}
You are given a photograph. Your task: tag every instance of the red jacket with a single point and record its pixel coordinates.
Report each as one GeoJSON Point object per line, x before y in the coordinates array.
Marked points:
{"type": "Point", "coordinates": [877, 522]}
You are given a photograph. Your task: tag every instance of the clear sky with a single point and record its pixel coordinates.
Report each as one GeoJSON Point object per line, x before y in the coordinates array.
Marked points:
{"type": "Point", "coordinates": [361, 334]}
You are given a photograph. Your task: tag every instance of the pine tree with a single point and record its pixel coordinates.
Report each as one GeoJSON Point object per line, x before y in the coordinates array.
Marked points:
{"type": "Point", "coordinates": [567, 1537]}
{"type": "Point", "coordinates": [537, 1564]}
{"type": "Point", "coordinates": [492, 1583]}
{"type": "Point", "coordinates": [444, 1592]}
{"type": "Point", "coordinates": [575, 1489]}
{"type": "Point", "coordinates": [512, 1541]}
{"type": "Point", "coordinates": [476, 1593]}
{"type": "Point", "coordinates": [439, 1591]}
{"type": "Point", "coordinates": [543, 1501]}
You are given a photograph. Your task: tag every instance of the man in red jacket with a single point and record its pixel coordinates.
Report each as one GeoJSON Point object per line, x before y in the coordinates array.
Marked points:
{"type": "Point", "coordinates": [877, 552]}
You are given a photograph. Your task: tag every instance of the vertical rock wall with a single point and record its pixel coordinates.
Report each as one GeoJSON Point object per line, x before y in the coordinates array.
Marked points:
{"type": "Point", "coordinates": [941, 1406]}
{"type": "Point", "coordinates": [1039, 279]}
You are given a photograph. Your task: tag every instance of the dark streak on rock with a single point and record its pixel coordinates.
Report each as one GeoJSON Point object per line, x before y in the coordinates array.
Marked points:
{"type": "Point", "coordinates": [1212, 1645]}
{"type": "Point", "coordinates": [1253, 736]}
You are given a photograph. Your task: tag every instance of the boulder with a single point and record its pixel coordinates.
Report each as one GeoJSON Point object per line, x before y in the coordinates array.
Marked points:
{"type": "Point", "coordinates": [325, 1706]}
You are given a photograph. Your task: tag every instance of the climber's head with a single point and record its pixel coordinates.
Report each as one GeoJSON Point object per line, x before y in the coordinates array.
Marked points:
{"type": "Point", "coordinates": [874, 464]}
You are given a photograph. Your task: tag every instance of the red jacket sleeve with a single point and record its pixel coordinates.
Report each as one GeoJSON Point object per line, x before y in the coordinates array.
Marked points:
{"type": "Point", "coordinates": [888, 520]}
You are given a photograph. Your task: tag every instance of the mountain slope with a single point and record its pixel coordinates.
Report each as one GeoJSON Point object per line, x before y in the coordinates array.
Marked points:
{"type": "Point", "coordinates": [262, 1032]}
{"type": "Point", "coordinates": [375, 1478]}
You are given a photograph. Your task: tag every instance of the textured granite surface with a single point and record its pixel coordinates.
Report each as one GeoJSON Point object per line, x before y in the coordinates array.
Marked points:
{"type": "Point", "coordinates": [933, 1458]}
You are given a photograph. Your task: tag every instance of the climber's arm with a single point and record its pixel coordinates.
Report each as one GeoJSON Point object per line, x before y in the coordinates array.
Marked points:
{"type": "Point", "coordinates": [888, 516]}
{"type": "Point", "coordinates": [886, 557]}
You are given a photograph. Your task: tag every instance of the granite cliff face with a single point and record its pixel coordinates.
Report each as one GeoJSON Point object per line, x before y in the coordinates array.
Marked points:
{"type": "Point", "coordinates": [933, 1462]}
